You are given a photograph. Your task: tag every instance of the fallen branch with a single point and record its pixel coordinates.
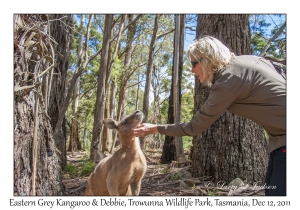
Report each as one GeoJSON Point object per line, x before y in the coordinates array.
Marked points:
{"type": "Point", "coordinates": [163, 174]}
{"type": "Point", "coordinates": [165, 184]}
{"type": "Point", "coordinates": [174, 163]}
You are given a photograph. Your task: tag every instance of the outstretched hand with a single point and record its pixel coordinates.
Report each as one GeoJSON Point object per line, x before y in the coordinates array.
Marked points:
{"type": "Point", "coordinates": [145, 129]}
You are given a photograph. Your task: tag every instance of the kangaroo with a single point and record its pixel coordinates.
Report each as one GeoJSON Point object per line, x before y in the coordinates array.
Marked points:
{"type": "Point", "coordinates": [122, 172]}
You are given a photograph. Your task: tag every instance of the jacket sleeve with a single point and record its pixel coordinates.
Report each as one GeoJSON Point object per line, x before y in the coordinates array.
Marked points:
{"type": "Point", "coordinates": [218, 101]}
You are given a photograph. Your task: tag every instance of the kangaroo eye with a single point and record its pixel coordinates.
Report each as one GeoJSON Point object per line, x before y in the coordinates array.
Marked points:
{"type": "Point", "coordinates": [125, 122]}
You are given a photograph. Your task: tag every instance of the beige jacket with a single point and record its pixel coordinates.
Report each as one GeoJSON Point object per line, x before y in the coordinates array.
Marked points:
{"type": "Point", "coordinates": [249, 87]}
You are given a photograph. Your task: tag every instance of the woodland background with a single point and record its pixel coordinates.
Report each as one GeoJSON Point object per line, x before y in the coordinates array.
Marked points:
{"type": "Point", "coordinates": [72, 71]}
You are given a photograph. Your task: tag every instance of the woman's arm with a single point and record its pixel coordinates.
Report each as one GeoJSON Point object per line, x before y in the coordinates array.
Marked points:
{"type": "Point", "coordinates": [219, 99]}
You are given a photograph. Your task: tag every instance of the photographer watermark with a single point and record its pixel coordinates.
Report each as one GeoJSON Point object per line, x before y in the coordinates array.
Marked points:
{"type": "Point", "coordinates": [237, 186]}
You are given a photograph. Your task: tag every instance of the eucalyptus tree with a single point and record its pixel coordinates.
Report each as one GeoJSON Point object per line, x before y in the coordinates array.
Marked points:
{"type": "Point", "coordinates": [162, 65]}
{"type": "Point", "coordinates": [106, 139]}
{"type": "Point", "coordinates": [149, 75]}
{"type": "Point", "coordinates": [233, 146]}
{"type": "Point", "coordinates": [101, 89]}
{"type": "Point", "coordinates": [126, 54]}
{"type": "Point", "coordinates": [173, 148]}
{"type": "Point", "coordinates": [74, 138]}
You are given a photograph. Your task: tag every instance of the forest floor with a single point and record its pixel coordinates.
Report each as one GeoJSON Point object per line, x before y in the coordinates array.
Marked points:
{"type": "Point", "coordinates": [172, 179]}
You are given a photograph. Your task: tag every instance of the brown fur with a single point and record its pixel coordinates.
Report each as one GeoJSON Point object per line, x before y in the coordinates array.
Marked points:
{"type": "Point", "coordinates": [122, 172]}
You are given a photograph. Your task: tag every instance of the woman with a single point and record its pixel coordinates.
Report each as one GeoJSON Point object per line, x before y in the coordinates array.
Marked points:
{"type": "Point", "coordinates": [246, 85]}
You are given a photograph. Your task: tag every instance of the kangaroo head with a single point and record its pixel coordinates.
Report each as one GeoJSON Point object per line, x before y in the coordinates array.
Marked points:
{"type": "Point", "coordinates": [125, 126]}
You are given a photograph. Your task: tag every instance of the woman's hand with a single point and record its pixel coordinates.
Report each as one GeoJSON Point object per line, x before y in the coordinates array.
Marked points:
{"type": "Point", "coordinates": [145, 129]}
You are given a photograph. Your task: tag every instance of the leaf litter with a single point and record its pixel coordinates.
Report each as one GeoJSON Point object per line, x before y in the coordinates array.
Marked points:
{"type": "Point", "coordinates": [172, 179]}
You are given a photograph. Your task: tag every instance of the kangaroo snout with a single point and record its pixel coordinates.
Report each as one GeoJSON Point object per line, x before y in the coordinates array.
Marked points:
{"type": "Point", "coordinates": [139, 116]}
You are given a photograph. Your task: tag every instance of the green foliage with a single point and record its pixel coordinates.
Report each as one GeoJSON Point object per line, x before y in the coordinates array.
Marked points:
{"type": "Point", "coordinates": [258, 43]}
{"type": "Point", "coordinates": [210, 193]}
{"type": "Point", "coordinates": [176, 176]}
{"type": "Point", "coordinates": [187, 106]}
{"type": "Point", "coordinates": [87, 167]}
{"type": "Point", "coordinates": [165, 170]}
{"type": "Point", "coordinates": [70, 170]}
{"type": "Point", "coordinates": [164, 106]}
{"type": "Point", "coordinates": [117, 68]}
{"type": "Point", "coordinates": [187, 142]}
{"type": "Point", "coordinates": [84, 169]}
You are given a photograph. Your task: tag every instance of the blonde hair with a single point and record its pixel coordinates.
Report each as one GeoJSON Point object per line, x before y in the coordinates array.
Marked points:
{"type": "Point", "coordinates": [212, 55]}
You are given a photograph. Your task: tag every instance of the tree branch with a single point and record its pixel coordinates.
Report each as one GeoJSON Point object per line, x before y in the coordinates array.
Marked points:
{"type": "Point", "coordinates": [88, 36]}
{"type": "Point", "coordinates": [112, 39]}
{"type": "Point", "coordinates": [164, 34]}
{"type": "Point", "coordinates": [282, 61]}
{"type": "Point", "coordinates": [191, 28]}
{"type": "Point", "coordinates": [263, 52]}
{"type": "Point", "coordinates": [130, 73]}
{"type": "Point", "coordinates": [129, 24]}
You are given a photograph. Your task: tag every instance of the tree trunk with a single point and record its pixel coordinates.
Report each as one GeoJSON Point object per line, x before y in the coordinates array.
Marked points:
{"type": "Point", "coordinates": [107, 133]}
{"type": "Point", "coordinates": [37, 165]}
{"type": "Point", "coordinates": [61, 33]}
{"type": "Point", "coordinates": [101, 91]}
{"type": "Point", "coordinates": [138, 93]}
{"type": "Point", "coordinates": [113, 109]}
{"type": "Point", "coordinates": [177, 90]}
{"type": "Point", "coordinates": [121, 111]}
{"type": "Point", "coordinates": [74, 137]}
{"type": "Point", "coordinates": [84, 139]}
{"type": "Point", "coordinates": [126, 74]}
{"type": "Point", "coordinates": [156, 88]}
{"type": "Point", "coordinates": [233, 146]}
{"type": "Point", "coordinates": [169, 147]}
{"type": "Point", "coordinates": [36, 170]}
{"type": "Point", "coordinates": [149, 76]}
{"type": "Point", "coordinates": [114, 87]}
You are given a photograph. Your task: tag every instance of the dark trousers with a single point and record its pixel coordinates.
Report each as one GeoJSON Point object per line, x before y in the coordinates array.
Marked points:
{"type": "Point", "coordinates": [275, 182]}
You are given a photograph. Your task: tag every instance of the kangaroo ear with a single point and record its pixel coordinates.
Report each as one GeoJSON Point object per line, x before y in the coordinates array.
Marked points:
{"type": "Point", "coordinates": [110, 123]}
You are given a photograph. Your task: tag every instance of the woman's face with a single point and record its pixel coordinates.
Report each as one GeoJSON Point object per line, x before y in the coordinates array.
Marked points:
{"type": "Point", "coordinates": [198, 72]}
